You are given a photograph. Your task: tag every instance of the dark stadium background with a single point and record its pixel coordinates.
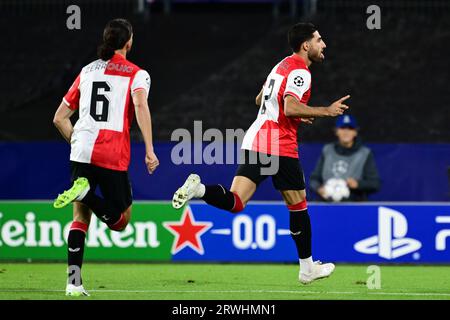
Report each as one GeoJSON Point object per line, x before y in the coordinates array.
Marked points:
{"type": "Point", "coordinates": [214, 55]}
{"type": "Point", "coordinates": [208, 59]}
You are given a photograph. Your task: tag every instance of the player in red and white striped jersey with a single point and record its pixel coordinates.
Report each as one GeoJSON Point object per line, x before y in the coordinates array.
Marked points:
{"type": "Point", "coordinates": [270, 146]}
{"type": "Point", "coordinates": [274, 132]}
{"type": "Point", "coordinates": [107, 93]}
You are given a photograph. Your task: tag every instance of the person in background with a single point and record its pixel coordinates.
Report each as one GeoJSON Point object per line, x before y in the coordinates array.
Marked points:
{"type": "Point", "coordinates": [346, 169]}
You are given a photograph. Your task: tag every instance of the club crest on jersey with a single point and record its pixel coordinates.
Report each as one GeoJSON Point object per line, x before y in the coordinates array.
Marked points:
{"type": "Point", "coordinates": [298, 81]}
{"type": "Point", "coordinates": [119, 67]}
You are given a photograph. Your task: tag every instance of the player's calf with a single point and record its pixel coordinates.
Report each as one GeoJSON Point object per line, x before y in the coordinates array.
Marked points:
{"type": "Point", "coordinates": [215, 195]}
{"type": "Point", "coordinates": [300, 227]}
{"type": "Point", "coordinates": [222, 198]}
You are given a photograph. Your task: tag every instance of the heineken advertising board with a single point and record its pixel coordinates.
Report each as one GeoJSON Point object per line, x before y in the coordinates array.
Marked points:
{"type": "Point", "coordinates": [366, 232]}
{"type": "Point", "coordinates": [35, 230]}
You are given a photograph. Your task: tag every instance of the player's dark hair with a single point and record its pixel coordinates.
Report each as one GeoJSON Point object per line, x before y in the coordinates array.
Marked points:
{"type": "Point", "coordinates": [117, 32]}
{"type": "Point", "coordinates": [300, 33]}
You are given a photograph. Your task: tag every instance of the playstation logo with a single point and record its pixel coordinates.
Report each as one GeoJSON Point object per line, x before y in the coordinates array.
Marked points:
{"type": "Point", "coordinates": [390, 243]}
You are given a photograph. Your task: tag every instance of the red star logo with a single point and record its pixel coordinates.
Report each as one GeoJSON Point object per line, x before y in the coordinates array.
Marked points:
{"type": "Point", "coordinates": [187, 232]}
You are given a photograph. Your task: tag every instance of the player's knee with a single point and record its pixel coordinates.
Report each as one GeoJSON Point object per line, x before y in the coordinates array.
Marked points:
{"type": "Point", "coordinates": [300, 206]}
{"type": "Point", "coordinates": [122, 223]}
{"type": "Point", "coordinates": [238, 204]}
{"type": "Point", "coordinates": [118, 229]}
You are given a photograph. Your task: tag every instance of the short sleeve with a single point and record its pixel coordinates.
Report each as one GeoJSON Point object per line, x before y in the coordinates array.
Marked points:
{"type": "Point", "coordinates": [72, 97]}
{"type": "Point", "coordinates": [298, 82]}
{"type": "Point", "coordinates": [141, 81]}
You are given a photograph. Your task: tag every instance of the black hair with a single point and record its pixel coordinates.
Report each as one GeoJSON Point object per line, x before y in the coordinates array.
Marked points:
{"type": "Point", "coordinates": [300, 33]}
{"type": "Point", "coordinates": [115, 35]}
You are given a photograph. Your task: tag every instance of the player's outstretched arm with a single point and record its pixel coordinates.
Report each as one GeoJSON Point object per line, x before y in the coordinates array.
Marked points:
{"type": "Point", "coordinates": [294, 108]}
{"type": "Point", "coordinates": [144, 121]}
{"type": "Point", "coordinates": [61, 120]}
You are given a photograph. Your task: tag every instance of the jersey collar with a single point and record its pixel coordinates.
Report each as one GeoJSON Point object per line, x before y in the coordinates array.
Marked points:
{"type": "Point", "coordinates": [117, 56]}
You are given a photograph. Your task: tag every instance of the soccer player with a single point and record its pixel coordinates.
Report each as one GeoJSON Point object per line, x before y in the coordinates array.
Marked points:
{"type": "Point", "coordinates": [107, 93]}
{"type": "Point", "coordinates": [272, 139]}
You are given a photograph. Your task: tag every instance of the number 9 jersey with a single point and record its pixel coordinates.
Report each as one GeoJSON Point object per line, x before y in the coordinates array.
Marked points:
{"type": "Point", "coordinates": [272, 132]}
{"type": "Point", "coordinates": [103, 94]}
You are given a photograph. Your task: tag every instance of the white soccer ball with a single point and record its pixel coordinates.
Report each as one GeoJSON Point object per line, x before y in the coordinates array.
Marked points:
{"type": "Point", "coordinates": [336, 189]}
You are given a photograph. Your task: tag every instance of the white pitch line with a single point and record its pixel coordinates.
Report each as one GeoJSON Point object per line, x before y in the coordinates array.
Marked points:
{"type": "Point", "coordinates": [240, 291]}
{"type": "Point", "coordinates": [412, 293]}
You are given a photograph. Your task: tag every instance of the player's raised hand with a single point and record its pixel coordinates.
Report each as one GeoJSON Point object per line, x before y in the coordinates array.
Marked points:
{"type": "Point", "coordinates": [151, 160]}
{"type": "Point", "coordinates": [307, 120]}
{"type": "Point", "coordinates": [338, 107]}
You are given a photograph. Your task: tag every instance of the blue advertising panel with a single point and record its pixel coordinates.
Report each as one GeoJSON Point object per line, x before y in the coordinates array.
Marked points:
{"type": "Point", "coordinates": [379, 232]}
{"type": "Point", "coordinates": [408, 172]}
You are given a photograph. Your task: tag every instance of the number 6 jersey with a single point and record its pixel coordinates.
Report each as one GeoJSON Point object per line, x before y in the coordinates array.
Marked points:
{"type": "Point", "coordinates": [272, 132]}
{"type": "Point", "coordinates": [102, 93]}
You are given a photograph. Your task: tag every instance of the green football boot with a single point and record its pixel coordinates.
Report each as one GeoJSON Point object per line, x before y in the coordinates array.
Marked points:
{"type": "Point", "coordinates": [79, 189]}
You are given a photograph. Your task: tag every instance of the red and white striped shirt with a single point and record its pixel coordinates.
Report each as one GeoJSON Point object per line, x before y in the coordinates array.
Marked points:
{"type": "Point", "coordinates": [102, 93]}
{"type": "Point", "coordinates": [273, 132]}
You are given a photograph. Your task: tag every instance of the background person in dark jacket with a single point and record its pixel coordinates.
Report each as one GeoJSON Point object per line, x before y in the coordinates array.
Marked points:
{"type": "Point", "coordinates": [347, 166]}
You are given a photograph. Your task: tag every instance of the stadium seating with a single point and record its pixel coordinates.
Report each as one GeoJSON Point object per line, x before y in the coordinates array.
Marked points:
{"type": "Point", "coordinates": [398, 83]}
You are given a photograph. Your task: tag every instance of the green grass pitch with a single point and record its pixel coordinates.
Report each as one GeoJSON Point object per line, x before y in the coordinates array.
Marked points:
{"type": "Point", "coordinates": [221, 281]}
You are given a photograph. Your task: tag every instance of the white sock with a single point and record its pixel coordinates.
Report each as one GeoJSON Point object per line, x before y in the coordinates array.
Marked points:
{"type": "Point", "coordinates": [306, 265]}
{"type": "Point", "coordinates": [200, 192]}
